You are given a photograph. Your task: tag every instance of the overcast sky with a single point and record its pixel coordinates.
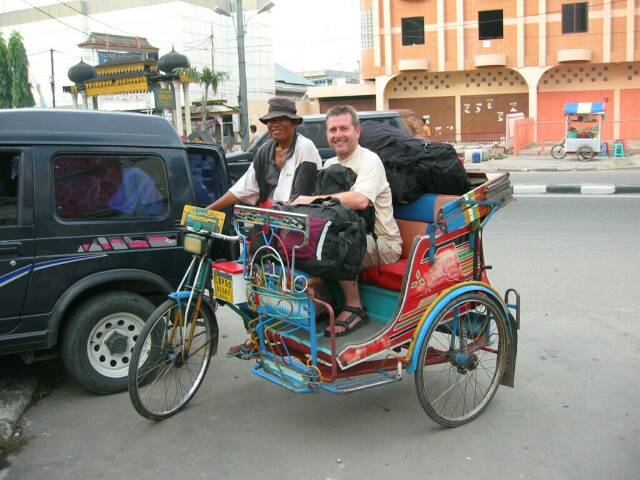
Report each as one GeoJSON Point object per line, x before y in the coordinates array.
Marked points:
{"type": "Point", "coordinates": [316, 34]}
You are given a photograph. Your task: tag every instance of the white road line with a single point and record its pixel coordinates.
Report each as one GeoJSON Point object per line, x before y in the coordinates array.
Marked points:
{"type": "Point", "coordinates": [529, 189]}
{"type": "Point", "coordinates": [597, 189]}
{"type": "Point", "coordinates": [576, 195]}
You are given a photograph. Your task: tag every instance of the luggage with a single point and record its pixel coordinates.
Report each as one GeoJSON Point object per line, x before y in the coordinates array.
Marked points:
{"type": "Point", "coordinates": [337, 240]}
{"type": "Point", "coordinates": [338, 178]}
{"type": "Point", "coordinates": [414, 167]}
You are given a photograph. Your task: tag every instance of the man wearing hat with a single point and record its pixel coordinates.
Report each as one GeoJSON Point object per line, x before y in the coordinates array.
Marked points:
{"type": "Point", "coordinates": [283, 168]}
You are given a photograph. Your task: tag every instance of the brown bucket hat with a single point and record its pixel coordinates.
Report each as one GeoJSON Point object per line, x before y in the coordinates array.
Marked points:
{"type": "Point", "coordinates": [281, 107]}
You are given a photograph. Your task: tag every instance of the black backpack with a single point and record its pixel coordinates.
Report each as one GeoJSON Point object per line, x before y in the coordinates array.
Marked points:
{"type": "Point", "coordinates": [338, 178]}
{"type": "Point", "coordinates": [414, 167]}
{"type": "Point", "coordinates": [337, 241]}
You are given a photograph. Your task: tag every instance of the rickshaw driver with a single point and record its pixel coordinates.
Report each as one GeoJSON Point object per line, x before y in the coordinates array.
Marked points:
{"type": "Point", "coordinates": [370, 187]}
{"type": "Point", "coordinates": [284, 167]}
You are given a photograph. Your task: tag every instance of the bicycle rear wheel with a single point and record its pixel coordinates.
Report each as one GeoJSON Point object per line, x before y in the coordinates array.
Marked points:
{"type": "Point", "coordinates": [462, 360]}
{"type": "Point", "coordinates": [170, 359]}
{"type": "Point", "coordinates": [558, 151]}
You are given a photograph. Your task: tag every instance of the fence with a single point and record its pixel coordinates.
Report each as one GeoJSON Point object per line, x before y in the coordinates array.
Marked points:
{"type": "Point", "coordinates": [541, 136]}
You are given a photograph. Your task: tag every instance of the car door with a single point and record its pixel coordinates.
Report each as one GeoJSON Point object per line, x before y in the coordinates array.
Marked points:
{"type": "Point", "coordinates": [16, 233]}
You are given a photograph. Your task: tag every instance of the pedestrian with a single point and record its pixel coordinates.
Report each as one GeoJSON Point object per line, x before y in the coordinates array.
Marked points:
{"type": "Point", "coordinates": [426, 129]}
{"type": "Point", "coordinates": [370, 188]}
{"type": "Point", "coordinates": [255, 136]}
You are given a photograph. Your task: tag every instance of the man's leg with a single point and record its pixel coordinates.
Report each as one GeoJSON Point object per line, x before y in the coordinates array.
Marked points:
{"type": "Point", "coordinates": [351, 300]}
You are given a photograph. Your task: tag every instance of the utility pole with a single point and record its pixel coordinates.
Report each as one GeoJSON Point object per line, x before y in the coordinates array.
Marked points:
{"type": "Point", "coordinates": [244, 117]}
{"type": "Point", "coordinates": [53, 81]}
{"type": "Point", "coordinates": [211, 38]}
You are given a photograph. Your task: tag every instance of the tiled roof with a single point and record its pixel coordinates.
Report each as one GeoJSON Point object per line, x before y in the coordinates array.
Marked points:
{"type": "Point", "coordinates": [117, 42]}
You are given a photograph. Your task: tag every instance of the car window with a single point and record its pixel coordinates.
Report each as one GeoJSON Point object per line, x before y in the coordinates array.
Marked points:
{"type": "Point", "coordinates": [92, 187]}
{"type": "Point", "coordinates": [9, 183]}
{"type": "Point", "coordinates": [208, 182]}
{"type": "Point", "coordinates": [316, 132]}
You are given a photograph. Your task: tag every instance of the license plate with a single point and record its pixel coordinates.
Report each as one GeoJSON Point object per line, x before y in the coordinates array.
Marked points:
{"type": "Point", "coordinates": [223, 286]}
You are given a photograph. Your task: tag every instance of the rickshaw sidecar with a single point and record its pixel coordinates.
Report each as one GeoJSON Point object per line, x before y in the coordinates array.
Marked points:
{"type": "Point", "coordinates": [433, 313]}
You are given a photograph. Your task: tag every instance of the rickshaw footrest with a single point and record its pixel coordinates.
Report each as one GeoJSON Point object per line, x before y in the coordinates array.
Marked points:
{"type": "Point", "coordinates": [284, 377]}
{"type": "Point", "coordinates": [360, 383]}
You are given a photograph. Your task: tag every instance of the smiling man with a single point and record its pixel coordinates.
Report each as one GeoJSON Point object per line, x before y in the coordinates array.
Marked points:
{"type": "Point", "coordinates": [370, 188]}
{"type": "Point", "coordinates": [283, 168]}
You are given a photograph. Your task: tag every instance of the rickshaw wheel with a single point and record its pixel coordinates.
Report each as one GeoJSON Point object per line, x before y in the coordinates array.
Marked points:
{"type": "Point", "coordinates": [163, 375]}
{"type": "Point", "coordinates": [558, 151]}
{"type": "Point", "coordinates": [462, 359]}
{"type": "Point", "coordinates": [585, 153]}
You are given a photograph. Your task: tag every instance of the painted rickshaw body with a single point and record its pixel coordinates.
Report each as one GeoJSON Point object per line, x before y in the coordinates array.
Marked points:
{"type": "Point", "coordinates": [438, 291]}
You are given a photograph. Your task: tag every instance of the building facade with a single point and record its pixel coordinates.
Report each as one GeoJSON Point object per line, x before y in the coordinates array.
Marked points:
{"type": "Point", "coordinates": [471, 66]}
{"type": "Point", "coordinates": [58, 34]}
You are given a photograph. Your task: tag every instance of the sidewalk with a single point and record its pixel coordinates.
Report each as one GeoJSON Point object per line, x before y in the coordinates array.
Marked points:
{"type": "Point", "coordinates": [542, 163]}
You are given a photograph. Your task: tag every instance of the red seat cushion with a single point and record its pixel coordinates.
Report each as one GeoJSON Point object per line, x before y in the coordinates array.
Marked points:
{"type": "Point", "coordinates": [387, 276]}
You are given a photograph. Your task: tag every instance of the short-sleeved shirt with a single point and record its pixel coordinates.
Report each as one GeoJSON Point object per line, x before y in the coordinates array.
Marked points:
{"type": "Point", "coordinates": [280, 185]}
{"type": "Point", "coordinates": [372, 183]}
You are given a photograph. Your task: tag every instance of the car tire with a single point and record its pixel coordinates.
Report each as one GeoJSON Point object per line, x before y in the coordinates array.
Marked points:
{"type": "Point", "coordinates": [99, 338]}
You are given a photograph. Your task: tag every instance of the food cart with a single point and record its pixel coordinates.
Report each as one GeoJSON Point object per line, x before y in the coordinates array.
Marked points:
{"type": "Point", "coordinates": [583, 129]}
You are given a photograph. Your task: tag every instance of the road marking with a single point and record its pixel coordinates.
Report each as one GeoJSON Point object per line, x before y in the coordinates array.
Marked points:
{"type": "Point", "coordinates": [597, 189]}
{"type": "Point", "coordinates": [526, 188]}
{"type": "Point", "coordinates": [576, 195]}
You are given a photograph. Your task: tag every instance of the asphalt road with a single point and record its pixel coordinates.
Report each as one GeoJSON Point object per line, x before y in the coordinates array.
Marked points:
{"type": "Point", "coordinates": [574, 413]}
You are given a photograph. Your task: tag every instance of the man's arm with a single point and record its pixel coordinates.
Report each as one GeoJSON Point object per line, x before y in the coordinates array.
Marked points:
{"type": "Point", "coordinates": [352, 200]}
{"type": "Point", "coordinates": [224, 201]}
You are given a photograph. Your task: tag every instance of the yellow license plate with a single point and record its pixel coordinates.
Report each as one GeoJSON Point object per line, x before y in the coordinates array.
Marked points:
{"type": "Point", "coordinates": [223, 286]}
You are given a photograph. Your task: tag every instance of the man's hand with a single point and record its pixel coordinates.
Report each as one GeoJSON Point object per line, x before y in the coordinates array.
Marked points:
{"type": "Point", "coordinates": [303, 200]}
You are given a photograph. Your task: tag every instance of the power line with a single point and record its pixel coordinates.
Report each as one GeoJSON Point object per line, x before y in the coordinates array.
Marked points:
{"type": "Point", "coordinates": [56, 18]}
{"type": "Point", "coordinates": [93, 19]}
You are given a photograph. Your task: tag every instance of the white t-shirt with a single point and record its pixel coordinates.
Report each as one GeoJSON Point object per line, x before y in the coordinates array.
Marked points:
{"type": "Point", "coordinates": [247, 190]}
{"type": "Point", "coordinates": [372, 183]}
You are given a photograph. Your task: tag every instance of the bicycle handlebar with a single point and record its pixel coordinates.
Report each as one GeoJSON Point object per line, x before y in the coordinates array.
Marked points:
{"type": "Point", "coordinates": [221, 236]}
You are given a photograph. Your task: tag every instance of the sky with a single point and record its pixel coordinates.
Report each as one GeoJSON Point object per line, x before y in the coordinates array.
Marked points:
{"type": "Point", "coordinates": [316, 34]}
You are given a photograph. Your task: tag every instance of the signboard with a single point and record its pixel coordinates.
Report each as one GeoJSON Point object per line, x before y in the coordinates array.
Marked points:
{"type": "Point", "coordinates": [163, 98]}
{"type": "Point", "coordinates": [197, 219]}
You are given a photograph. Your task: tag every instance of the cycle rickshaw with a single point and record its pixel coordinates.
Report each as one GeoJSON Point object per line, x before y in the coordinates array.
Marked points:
{"type": "Point", "coordinates": [433, 314]}
{"type": "Point", "coordinates": [583, 130]}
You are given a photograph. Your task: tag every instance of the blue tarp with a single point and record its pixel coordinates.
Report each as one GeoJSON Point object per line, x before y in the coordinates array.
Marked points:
{"type": "Point", "coordinates": [596, 108]}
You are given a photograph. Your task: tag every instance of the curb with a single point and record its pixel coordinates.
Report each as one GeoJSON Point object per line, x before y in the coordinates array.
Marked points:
{"type": "Point", "coordinates": [14, 400]}
{"type": "Point", "coordinates": [586, 189]}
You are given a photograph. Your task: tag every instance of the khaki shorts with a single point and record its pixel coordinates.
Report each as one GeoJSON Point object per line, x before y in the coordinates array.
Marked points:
{"type": "Point", "coordinates": [381, 251]}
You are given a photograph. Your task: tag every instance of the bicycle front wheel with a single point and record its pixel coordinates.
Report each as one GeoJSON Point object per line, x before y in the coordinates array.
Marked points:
{"type": "Point", "coordinates": [170, 359]}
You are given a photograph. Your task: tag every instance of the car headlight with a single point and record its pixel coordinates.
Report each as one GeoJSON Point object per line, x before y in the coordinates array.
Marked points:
{"type": "Point", "coordinates": [194, 244]}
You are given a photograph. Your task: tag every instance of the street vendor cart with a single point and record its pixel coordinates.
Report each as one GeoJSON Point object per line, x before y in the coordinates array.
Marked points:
{"type": "Point", "coordinates": [583, 129]}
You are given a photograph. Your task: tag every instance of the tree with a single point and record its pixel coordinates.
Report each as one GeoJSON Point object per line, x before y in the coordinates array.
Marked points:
{"type": "Point", "coordinates": [207, 78]}
{"type": "Point", "coordinates": [19, 66]}
{"type": "Point", "coordinates": [5, 76]}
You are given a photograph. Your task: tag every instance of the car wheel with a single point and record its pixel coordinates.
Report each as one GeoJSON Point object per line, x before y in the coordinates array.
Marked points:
{"type": "Point", "coordinates": [99, 338]}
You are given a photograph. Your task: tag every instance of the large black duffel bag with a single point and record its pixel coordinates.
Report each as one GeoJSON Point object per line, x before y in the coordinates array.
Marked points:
{"type": "Point", "coordinates": [414, 167]}
{"type": "Point", "coordinates": [337, 240]}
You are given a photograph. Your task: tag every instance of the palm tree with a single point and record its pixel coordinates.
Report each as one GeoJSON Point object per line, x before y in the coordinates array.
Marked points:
{"type": "Point", "coordinates": [213, 79]}
{"type": "Point", "coordinates": [207, 78]}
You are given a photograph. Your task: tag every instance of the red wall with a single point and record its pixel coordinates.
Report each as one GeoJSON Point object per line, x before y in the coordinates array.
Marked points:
{"type": "Point", "coordinates": [551, 121]}
{"type": "Point", "coordinates": [629, 114]}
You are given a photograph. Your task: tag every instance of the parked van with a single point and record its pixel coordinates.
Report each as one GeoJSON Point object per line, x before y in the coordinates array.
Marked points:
{"type": "Point", "coordinates": [89, 245]}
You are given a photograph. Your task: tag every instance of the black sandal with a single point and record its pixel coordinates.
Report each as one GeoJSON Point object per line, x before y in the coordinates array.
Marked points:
{"type": "Point", "coordinates": [347, 325]}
